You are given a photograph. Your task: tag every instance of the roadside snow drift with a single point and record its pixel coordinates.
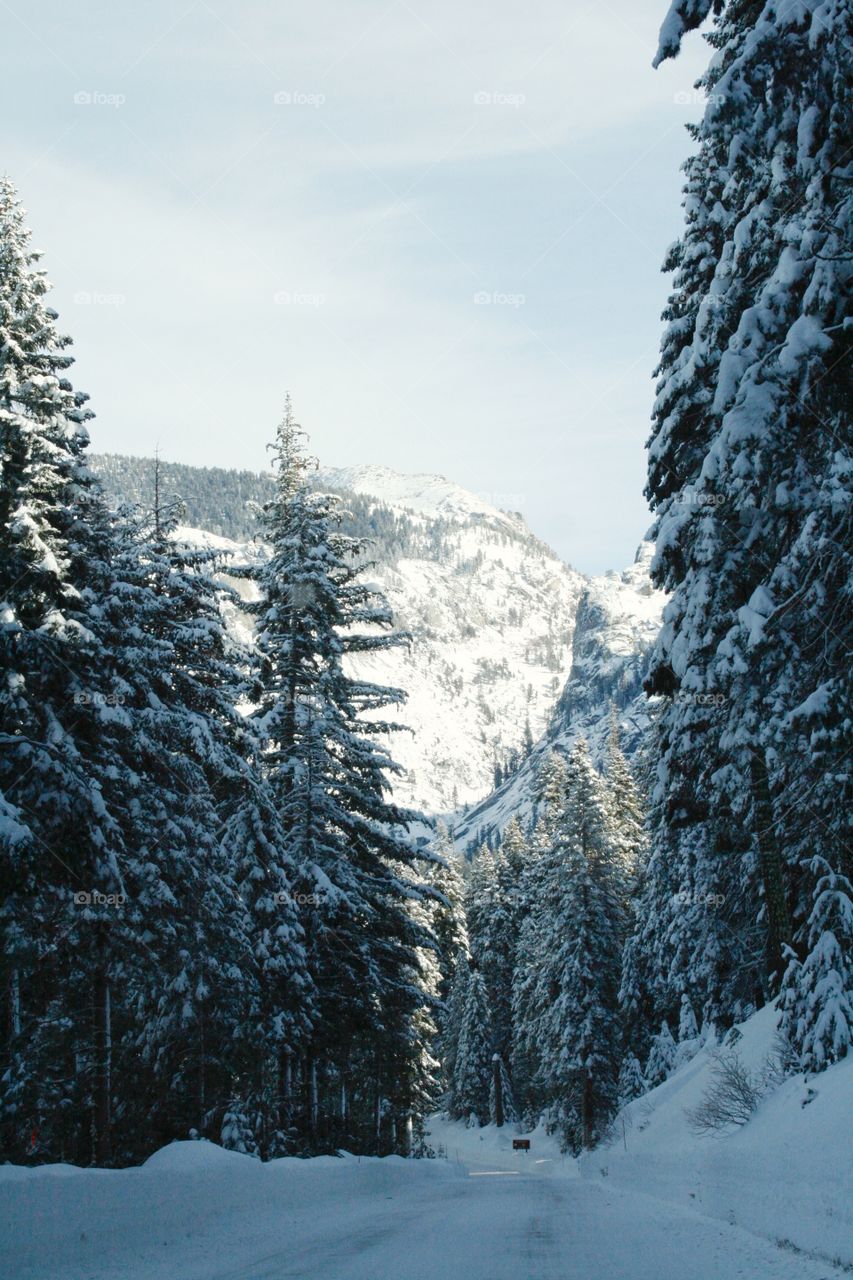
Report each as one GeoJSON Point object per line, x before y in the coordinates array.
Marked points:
{"type": "Point", "coordinates": [786, 1175]}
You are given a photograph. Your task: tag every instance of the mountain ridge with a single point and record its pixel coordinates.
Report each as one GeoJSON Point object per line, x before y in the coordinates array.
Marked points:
{"type": "Point", "coordinates": [512, 646]}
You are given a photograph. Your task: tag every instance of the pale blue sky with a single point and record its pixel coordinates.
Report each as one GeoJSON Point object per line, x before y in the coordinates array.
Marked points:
{"type": "Point", "coordinates": [236, 199]}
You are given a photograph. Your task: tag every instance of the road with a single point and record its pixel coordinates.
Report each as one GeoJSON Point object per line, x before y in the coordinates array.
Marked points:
{"type": "Point", "coordinates": [195, 1212]}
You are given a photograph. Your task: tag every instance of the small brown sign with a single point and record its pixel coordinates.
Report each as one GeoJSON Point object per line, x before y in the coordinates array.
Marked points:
{"type": "Point", "coordinates": [521, 1144]}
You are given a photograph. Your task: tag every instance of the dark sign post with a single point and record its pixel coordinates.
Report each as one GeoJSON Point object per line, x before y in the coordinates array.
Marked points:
{"type": "Point", "coordinates": [521, 1144]}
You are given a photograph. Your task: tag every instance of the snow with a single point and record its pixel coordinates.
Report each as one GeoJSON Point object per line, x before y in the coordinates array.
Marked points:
{"type": "Point", "coordinates": [616, 622]}
{"type": "Point", "coordinates": [429, 495]}
{"type": "Point", "coordinates": [786, 1176]}
{"type": "Point", "coordinates": [193, 1212]}
{"type": "Point", "coordinates": [493, 623]}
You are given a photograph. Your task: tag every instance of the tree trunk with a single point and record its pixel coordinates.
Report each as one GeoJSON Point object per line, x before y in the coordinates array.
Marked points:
{"type": "Point", "coordinates": [586, 1109]}
{"type": "Point", "coordinates": [15, 1004]}
{"type": "Point", "coordinates": [499, 1090]}
{"type": "Point", "coordinates": [770, 863]}
{"type": "Point", "coordinates": [285, 1088]}
{"type": "Point", "coordinates": [313, 1107]}
{"type": "Point", "coordinates": [202, 1070]}
{"type": "Point", "coordinates": [102, 1054]}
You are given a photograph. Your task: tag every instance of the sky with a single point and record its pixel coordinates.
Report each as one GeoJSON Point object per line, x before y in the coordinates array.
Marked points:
{"type": "Point", "coordinates": [439, 224]}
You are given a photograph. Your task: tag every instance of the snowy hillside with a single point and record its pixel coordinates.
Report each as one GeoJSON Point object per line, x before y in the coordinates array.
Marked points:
{"type": "Point", "coordinates": [499, 622]}
{"type": "Point", "coordinates": [786, 1175]}
{"type": "Point", "coordinates": [492, 618]}
{"type": "Point", "coordinates": [616, 622]}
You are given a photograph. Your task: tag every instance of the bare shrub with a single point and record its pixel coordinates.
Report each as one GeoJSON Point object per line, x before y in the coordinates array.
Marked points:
{"type": "Point", "coordinates": [731, 1098]}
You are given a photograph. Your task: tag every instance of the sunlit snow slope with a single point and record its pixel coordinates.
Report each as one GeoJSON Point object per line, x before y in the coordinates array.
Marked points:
{"type": "Point", "coordinates": [499, 623]}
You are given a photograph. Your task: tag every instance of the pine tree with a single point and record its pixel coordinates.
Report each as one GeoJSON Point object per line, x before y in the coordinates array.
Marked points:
{"type": "Point", "coordinates": [448, 920]}
{"type": "Point", "coordinates": [472, 1080]}
{"type": "Point", "coordinates": [494, 915]}
{"type": "Point", "coordinates": [818, 1004]}
{"type": "Point", "coordinates": [632, 1083]}
{"type": "Point", "coordinates": [63, 777]}
{"type": "Point", "coordinates": [627, 810]}
{"type": "Point", "coordinates": [567, 990]}
{"type": "Point", "coordinates": [687, 1028]}
{"type": "Point", "coordinates": [749, 472]}
{"type": "Point", "coordinates": [329, 775]}
{"type": "Point", "coordinates": [661, 1057]}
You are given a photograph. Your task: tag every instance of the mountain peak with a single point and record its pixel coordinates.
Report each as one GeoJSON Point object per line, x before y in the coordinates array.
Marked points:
{"type": "Point", "coordinates": [421, 492]}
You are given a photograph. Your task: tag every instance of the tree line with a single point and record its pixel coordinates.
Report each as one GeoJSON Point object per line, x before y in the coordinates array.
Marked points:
{"type": "Point", "coordinates": [214, 919]}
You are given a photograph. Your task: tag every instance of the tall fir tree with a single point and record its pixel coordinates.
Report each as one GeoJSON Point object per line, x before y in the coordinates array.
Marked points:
{"type": "Point", "coordinates": [566, 996]}
{"type": "Point", "coordinates": [323, 727]}
{"type": "Point", "coordinates": [749, 473]}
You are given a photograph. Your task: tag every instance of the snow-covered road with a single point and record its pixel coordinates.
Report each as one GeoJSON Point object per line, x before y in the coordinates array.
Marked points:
{"type": "Point", "coordinates": [195, 1212]}
{"type": "Point", "coordinates": [525, 1227]}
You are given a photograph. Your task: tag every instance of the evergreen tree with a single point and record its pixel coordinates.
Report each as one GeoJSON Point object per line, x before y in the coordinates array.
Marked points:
{"type": "Point", "coordinates": [329, 774]}
{"type": "Point", "coordinates": [749, 472]}
{"type": "Point", "coordinates": [687, 1028]}
{"type": "Point", "coordinates": [472, 1080]}
{"type": "Point", "coordinates": [65, 782]}
{"type": "Point", "coordinates": [566, 996]}
{"type": "Point", "coordinates": [632, 1083]}
{"type": "Point", "coordinates": [661, 1057]}
{"type": "Point", "coordinates": [627, 810]}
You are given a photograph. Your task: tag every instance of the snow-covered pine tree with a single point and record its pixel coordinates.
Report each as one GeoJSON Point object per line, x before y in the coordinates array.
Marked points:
{"type": "Point", "coordinates": [749, 473]}
{"type": "Point", "coordinates": [448, 919]}
{"type": "Point", "coordinates": [322, 726]}
{"type": "Point", "coordinates": [472, 1078]}
{"type": "Point", "coordinates": [661, 1057]}
{"type": "Point", "coordinates": [687, 1028]}
{"type": "Point", "coordinates": [127, 947]}
{"type": "Point", "coordinates": [550, 790]}
{"type": "Point", "coordinates": [632, 1083]}
{"type": "Point", "coordinates": [61, 768]}
{"type": "Point", "coordinates": [627, 809]}
{"type": "Point", "coordinates": [569, 961]}
{"type": "Point", "coordinates": [494, 914]}
{"type": "Point", "coordinates": [549, 802]}
{"type": "Point", "coordinates": [449, 926]}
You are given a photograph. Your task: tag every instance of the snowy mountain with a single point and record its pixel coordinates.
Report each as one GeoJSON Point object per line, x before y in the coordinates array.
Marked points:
{"type": "Point", "coordinates": [509, 644]}
{"type": "Point", "coordinates": [616, 622]}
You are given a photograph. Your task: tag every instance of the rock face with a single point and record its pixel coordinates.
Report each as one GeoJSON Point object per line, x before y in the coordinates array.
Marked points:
{"type": "Point", "coordinates": [512, 650]}
{"type": "Point", "coordinates": [616, 622]}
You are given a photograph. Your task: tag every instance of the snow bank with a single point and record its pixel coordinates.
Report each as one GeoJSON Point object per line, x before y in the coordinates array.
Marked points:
{"type": "Point", "coordinates": [193, 1157]}
{"type": "Point", "coordinates": [192, 1210]}
{"type": "Point", "coordinates": [787, 1175]}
